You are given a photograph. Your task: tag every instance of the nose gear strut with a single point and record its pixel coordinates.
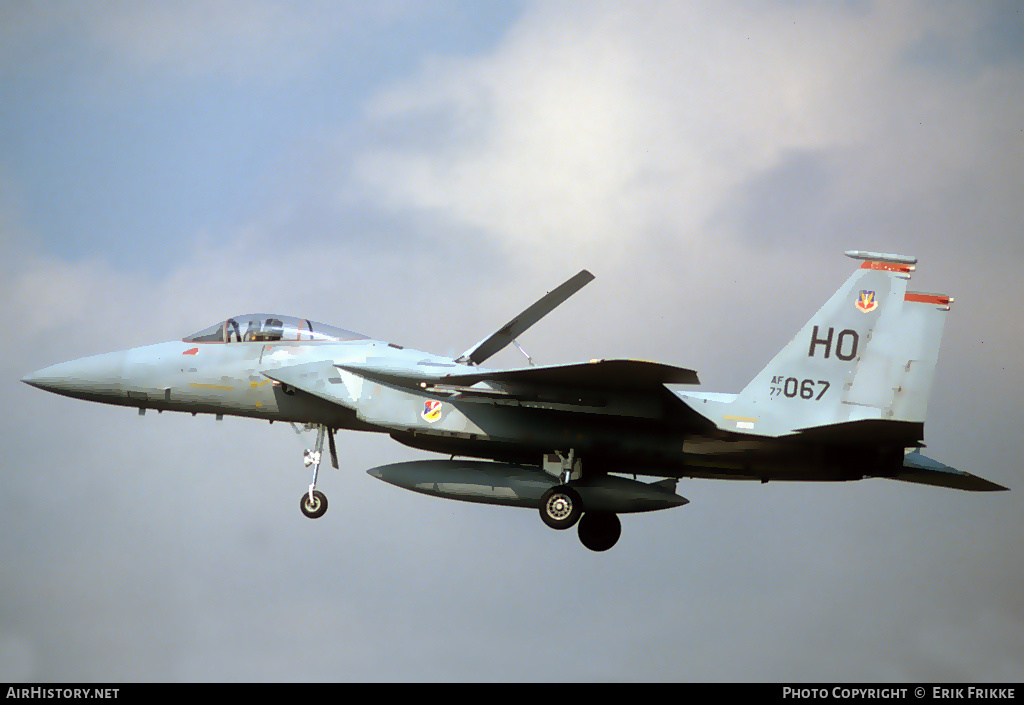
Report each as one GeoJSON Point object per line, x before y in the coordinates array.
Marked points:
{"type": "Point", "coordinates": [314, 503]}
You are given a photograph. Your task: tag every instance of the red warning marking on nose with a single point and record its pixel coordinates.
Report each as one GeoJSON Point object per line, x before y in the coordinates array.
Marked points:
{"type": "Point", "coordinates": [191, 351]}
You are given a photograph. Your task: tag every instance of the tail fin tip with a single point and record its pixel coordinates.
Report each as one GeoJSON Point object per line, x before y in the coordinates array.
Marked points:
{"type": "Point", "coordinates": [881, 257]}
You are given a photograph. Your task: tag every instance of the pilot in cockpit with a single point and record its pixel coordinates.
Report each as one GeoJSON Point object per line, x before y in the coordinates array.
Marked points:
{"type": "Point", "coordinates": [268, 328]}
{"type": "Point", "coordinates": [231, 326]}
{"type": "Point", "coordinates": [252, 332]}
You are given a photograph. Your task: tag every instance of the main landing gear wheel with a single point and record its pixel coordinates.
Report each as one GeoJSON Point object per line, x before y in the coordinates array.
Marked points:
{"type": "Point", "coordinates": [561, 507]}
{"type": "Point", "coordinates": [599, 531]}
{"type": "Point", "coordinates": [313, 509]}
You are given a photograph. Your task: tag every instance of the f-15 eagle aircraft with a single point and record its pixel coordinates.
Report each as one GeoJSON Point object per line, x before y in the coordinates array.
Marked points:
{"type": "Point", "coordinates": [846, 399]}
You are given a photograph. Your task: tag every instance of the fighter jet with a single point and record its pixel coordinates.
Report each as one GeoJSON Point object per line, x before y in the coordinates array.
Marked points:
{"type": "Point", "coordinates": [845, 399]}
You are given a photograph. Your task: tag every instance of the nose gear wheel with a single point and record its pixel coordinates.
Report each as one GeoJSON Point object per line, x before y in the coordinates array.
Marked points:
{"type": "Point", "coordinates": [314, 504]}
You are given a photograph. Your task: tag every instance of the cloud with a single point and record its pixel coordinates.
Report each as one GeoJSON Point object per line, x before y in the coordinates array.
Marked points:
{"type": "Point", "coordinates": [605, 126]}
{"type": "Point", "coordinates": [232, 39]}
{"type": "Point", "coordinates": [674, 150]}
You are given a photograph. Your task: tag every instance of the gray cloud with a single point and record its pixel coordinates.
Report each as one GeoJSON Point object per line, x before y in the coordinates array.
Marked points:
{"type": "Point", "coordinates": [709, 166]}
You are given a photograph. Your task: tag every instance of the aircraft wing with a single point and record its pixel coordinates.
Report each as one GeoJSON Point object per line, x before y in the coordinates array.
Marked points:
{"type": "Point", "coordinates": [597, 375]}
{"type": "Point", "coordinates": [579, 385]}
{"type": "Point", "coordinates": [618, 375]}
{"type": "Point", "coordinates": [501, 338]}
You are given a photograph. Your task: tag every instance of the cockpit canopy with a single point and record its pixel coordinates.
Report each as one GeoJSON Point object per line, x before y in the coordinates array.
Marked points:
{"type": "Point", "coordinates": [269, 327]}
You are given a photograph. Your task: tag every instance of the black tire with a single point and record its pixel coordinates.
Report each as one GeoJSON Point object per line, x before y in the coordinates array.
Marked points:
{"type": "Point", "coordinates": [599, 531]}
{"type": "Point", "coordinates": [561, 507]}
{"type": "Point", "coordinates": [317, 507]}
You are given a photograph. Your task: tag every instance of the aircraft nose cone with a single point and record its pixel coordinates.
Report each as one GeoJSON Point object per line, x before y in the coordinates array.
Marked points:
{"type": "Point", "coordinates": [88, 377]}
{"type": "Point", "coordinates": [49, 378]}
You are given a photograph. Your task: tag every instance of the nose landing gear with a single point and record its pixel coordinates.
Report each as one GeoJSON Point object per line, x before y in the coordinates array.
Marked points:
{"type": "Point", "coordinates": [314, 502]}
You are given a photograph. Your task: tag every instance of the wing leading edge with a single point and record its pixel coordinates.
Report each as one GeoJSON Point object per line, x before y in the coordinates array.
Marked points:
{"type": "Point", "coordinates": [620, 375]}
{"type": "Point", "coordinates": [607, 375]}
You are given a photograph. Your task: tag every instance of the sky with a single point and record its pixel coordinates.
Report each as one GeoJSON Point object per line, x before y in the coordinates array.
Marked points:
{"type": "Point", "coordinates": [422, 171]}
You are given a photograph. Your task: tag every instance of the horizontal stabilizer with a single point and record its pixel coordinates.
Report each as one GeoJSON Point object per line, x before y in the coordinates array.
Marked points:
{"type": "Point", "coordinates": [924, 470]}
{"type": "Point", "coordinates": [504, 336]}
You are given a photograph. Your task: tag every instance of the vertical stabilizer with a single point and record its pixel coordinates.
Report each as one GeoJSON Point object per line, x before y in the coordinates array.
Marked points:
{"type": "Point", "coordinates": [922, 323]}
{"type": "Point", "coordinates": [868, 354]}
